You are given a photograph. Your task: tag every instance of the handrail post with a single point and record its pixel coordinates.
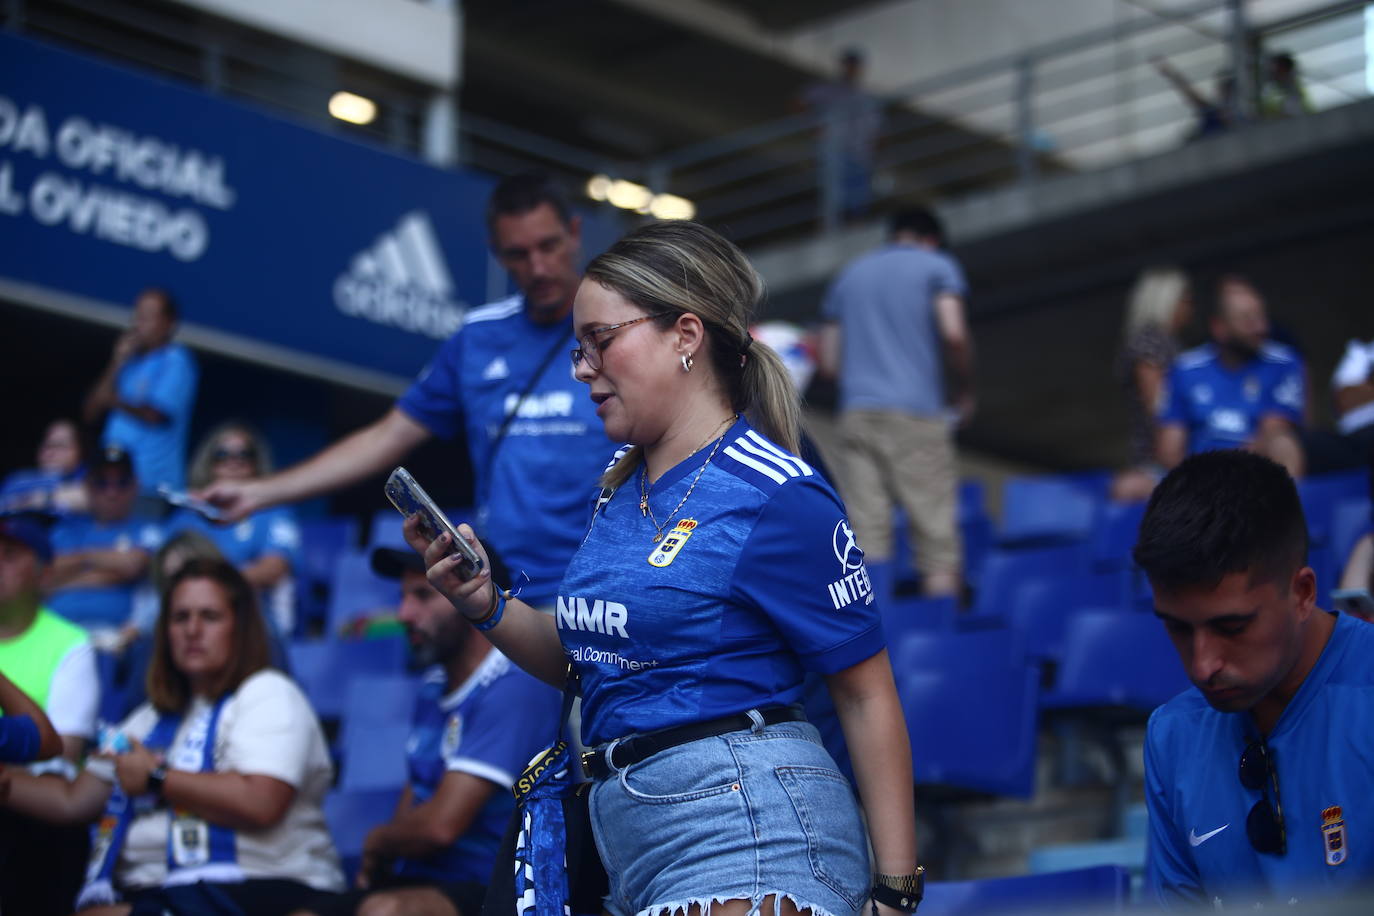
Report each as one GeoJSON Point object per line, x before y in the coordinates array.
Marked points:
{"type": "Point", "coordinates": [1246, 93]}
{"type": "Point", "coordinates": [1026, 165]}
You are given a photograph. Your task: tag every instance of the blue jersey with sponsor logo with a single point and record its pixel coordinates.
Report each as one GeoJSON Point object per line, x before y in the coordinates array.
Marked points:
{"type": "Point", "coordinates": [100, 605]}
{"type": "Point", "coordinates": [1220, 406]}
{"type": "Point", "coordinates": [756, 580]}
{"type": "Point", "coordinates": [531, 493]}
{"type": "Point", "coordinates": [490, 727]}
{"type": "Point", "coordinates": [1323, 751]}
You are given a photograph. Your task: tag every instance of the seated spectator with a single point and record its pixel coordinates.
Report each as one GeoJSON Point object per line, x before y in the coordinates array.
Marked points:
{"type": "Point", "coordinates": [1258, 780]}
{"type": "Point", "coordinates": [1353, 386]}
{"type": "Point", "coordinates": [1283, 94]}
{"type": "Point", "coordinates": [265, 545]}
{"type": "Point", "coordinates": [1161, 306]}
{"type": "Point", "coordinates": [1359, 565]}
{"type": "Point", "coordinates": [128, 688]}
{"type": "Point", "coordinates": [54, 485]}
{"type": "Point", "coordinates": [26, 734]}
{"type": "Point", "coordinates": [478, 721]}
{"type": "Point", "coordinates": [100, 558]}
{"type": "Point", "coordinates": [1242, 390]}
{"type": "Point", "coordinates": [212, 790]}
{"type": "Point", "coordinates": [51, 661]}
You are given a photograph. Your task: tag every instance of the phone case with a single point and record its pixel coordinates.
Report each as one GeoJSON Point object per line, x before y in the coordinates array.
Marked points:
{"type": "Point", "coordinates": [410, 498]}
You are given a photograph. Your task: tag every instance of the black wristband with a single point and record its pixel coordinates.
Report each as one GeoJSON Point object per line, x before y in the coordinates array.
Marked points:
{"type": "Point", "coordinates": [157, 778]}
{"type": "Point", "coordinates": [900, 892]}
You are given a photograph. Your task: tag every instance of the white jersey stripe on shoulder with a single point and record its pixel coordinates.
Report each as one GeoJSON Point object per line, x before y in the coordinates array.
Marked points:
{"type": "Point", "coordinates": [502, 309]}
{"type": "Point", "coordinates": [765, 455]}
{"type": "Point", "coordinates": [759, 466]}
{"type": "Point", "coordinates": [805, 468]}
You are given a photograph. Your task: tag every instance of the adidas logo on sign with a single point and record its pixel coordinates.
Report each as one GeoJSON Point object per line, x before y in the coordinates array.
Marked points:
{"type": "Point", "coordinates": [402, 282]}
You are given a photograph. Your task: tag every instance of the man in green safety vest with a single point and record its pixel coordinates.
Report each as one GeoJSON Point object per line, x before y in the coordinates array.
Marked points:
{"type": "Point", "coordinates": [52, 661]}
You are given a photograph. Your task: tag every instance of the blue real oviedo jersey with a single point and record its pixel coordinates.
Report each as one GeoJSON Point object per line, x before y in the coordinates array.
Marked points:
{"type": "Point", "coordinates": [757, 579]}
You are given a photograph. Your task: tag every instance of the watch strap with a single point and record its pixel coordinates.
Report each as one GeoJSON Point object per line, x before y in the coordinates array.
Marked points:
{"type": "Point", "coordinates": [157, 778]}
{"type": "Point", "coordinates": [901, 892]}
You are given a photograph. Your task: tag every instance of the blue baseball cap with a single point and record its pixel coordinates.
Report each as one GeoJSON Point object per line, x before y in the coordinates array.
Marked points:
{"type": "Point", "coordinates": [31, 530]}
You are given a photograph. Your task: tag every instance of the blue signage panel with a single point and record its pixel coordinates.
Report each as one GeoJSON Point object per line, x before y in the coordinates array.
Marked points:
{"type": "Point", "coordinates": [111, 181]}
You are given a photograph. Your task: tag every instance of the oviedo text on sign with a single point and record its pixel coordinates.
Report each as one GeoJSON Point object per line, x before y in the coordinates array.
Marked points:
{"type": "Point", "coordinates": [93, 179]}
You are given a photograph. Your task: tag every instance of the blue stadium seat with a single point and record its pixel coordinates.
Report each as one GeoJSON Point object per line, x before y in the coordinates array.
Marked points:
{"type": "Point", "coordinates": [1039, 510]}
{"type": "Point", "coordinates": [323, 540]}
{"type": "Point", "coordinates": [1114, 535]}
{"type": "Point", "coordinates": [1103, 889]}
{"type": "Point", "coordinates": [374, 757]}
{"type": "Point", "coordinates": [1321, 493]}
{"type": "Point", "coordinates": [1116, 660]}
{"type": "Point", "coordinates": [1349, 520]}
{"type": "Point", "coordinates": [948, 682]}
{"type": "Point", "coordinates": [903, 615]}
{"type": "Point", "coordinates": [356, 591]}
{"type": "Point", "coordinates": [1007, 570]}
{"type": "Point", "coordinates": [324, 667]}
{"type": "Point", "coordinates": [372, 700]}
{"type": "Point", "coordinates": [350, 815]}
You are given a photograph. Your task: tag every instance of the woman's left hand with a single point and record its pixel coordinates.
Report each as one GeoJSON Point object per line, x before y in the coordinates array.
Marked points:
{"type": "Point", "coordinates": [883, 910]}
{"type": "Point", "coordinates": [132, 768]}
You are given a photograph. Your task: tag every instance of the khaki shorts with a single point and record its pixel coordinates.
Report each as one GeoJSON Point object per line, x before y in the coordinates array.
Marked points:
{"type": "Point", "coordinates": [896, 459]}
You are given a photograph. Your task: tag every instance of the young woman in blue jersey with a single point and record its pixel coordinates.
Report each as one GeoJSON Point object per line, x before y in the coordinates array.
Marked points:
{"type": "Point", "coordinates": [716, 570]}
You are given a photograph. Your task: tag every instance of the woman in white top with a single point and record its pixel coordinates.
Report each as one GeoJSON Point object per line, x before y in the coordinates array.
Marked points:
{"type": "Point", "coordinates": [211, 791]}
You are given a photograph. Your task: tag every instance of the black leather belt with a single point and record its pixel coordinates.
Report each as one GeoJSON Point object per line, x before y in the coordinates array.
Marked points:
{"type": "Point", "coordinates": [641, 747]}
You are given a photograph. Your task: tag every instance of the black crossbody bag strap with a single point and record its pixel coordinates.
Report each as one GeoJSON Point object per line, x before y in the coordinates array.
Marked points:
{"type": "Point", "coordinates": [500, 436]}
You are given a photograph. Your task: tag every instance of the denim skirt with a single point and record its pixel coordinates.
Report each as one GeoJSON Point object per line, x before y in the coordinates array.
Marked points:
{"type": "Point", "coordinates": [741, 816]}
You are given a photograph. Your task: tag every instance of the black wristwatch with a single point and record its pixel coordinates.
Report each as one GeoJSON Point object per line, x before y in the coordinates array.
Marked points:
{"type": "Point", "coordinates": [901, 892]}
{"type": "Point", "coordinates": [157, 777]}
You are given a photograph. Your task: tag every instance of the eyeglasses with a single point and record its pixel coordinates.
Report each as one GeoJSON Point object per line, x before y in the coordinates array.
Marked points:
{"type": "Point", "coordinates": [111, 482]}
{"type": "Point", "coordinates": [1264, 826]}
{"type": "Point", "coordinates": [242, 454]}
{"type": "Point", "coordinates": [591, 342]}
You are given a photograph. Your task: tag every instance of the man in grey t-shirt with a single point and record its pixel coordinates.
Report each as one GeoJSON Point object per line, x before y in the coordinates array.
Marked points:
{"type": "Point", "coordinates": [896, 333]}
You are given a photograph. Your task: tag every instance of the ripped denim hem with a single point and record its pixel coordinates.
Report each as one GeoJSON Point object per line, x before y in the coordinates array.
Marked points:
{"type": "Point", "coordinates": [683, 908]}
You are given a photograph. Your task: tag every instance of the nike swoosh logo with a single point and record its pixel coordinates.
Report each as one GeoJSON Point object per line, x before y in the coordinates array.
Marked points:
{"type": "Point", "coordinates": [1195, 840]}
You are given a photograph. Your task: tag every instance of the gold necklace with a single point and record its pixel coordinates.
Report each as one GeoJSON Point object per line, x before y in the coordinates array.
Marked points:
{"type": "Point", "coordinates": [644, 508]}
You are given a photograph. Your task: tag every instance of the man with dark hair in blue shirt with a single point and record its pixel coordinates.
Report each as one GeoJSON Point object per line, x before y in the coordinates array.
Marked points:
{"type": "Point", "coordinates": [1257, 780]}
{"type": "Point", "coordinates": [148, 390]}
{"type": "Point", "coordinates": [1241, 390]}
{"type": "Point", "coordinates": [503, 380]}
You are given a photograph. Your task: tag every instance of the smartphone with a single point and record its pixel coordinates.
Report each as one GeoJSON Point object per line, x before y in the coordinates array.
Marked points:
{"type": "Point", "coordinates": [186, 500]}
{"type": "Point", "coordinates": [1357, 602]}
{"type": "Point", "coordinates": [410, 498]}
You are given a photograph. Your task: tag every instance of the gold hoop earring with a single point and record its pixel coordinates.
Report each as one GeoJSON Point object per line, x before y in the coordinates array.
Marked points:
{"type": "Point", "coordinates": [687, 362]}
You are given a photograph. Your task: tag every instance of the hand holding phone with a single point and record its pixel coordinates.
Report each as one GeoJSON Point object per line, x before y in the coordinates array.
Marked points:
{"type": "Point", "coordinates": [410, 498]}
{"type": "Point", "coordinates": [186, 500]}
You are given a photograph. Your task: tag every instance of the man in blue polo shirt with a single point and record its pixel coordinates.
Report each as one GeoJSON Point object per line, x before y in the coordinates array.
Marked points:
{"type": "Point", "coordinates": [1258, 780]}
{"type": "Point", "coordinates": [477, 721]}
{"type": "Point", "coordinates": [1242, 390]}
{"type": "Point", "coordinates": [100, 558]}
{"type": "Point", "coordinates": [532, 433]}
{"type": "Point", "coordinates": [148, 390]}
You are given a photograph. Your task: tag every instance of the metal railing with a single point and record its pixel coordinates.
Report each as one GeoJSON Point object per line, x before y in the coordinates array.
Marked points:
{"type": "Point", "coordinates": [1085, 102]}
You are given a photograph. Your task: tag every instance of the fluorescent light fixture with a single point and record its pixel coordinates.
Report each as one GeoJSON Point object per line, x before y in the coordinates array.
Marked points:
{"type": "Point", "coordinates": [627, 195]}
{"type": "Point", "coordinates": [352, 108]}
{"type": "Point", "coordinates": [599, 187]}
{"type": "Point", "coordinates": [670, 206]}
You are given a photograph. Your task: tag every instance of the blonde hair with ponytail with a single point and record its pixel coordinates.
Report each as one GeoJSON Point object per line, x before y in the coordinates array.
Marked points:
{"type": "Point", "coordinates": [668, 268]}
